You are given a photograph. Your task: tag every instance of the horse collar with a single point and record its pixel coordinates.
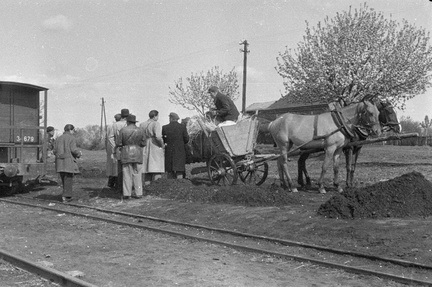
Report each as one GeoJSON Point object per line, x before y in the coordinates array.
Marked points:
{"type": "Point", "coordinates": [340, 122]}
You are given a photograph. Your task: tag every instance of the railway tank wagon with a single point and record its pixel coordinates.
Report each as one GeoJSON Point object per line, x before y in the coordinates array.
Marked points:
{"type": "Point", "coordinates": [23, 140]}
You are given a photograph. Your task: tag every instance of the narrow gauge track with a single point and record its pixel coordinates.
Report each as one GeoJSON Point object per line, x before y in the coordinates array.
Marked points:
{"type": "Point", "coordinates": [401, 271]}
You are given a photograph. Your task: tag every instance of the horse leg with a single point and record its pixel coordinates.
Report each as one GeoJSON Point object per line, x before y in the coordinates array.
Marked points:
{"type": "Point", "coordinates": [301, 166]}
{"type": "Point", "coordinates": [283, 172]}
{"type": "Point", "coordinates": [327, 160]}
{"type": "Point", "coordinates": [336, 159]}
{"type": "Point", "coordinates": [356, 153]}
{"type": "Point", "coordinates": [348, 158]}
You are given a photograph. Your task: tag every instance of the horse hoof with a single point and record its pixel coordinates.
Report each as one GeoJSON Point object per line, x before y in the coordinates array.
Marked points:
{"type": "Point", "coordinates": [294, 190]}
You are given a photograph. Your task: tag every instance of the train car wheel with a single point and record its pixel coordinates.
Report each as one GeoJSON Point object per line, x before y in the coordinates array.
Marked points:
{"type": "Point", "coordinates": [7, 190]}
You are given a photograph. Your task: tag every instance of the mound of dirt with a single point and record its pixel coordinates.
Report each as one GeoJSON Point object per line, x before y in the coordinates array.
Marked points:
{"type": "Point", "coordinates": [246, 195]}
{"type": "Point", "coordinates": [408, 195]}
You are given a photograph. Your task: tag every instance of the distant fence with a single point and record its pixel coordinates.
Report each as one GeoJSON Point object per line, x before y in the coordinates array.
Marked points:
{"type": "Point", "coordinates": [419, 141]}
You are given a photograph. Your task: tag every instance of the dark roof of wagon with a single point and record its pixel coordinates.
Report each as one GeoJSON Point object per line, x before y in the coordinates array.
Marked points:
{"type": "Point", "coordinates": [25, 85]}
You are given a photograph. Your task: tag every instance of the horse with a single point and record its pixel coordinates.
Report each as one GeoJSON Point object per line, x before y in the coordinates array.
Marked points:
{"type": "Point", "coordinates": [389, 123]}
{"type": "Point", "coordinates": [329, 131]}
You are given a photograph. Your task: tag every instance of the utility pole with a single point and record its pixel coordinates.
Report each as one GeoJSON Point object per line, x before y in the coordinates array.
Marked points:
{"type": "Point", "coordinates": [103, 116]}
{"type": "Point", "coordinates": [245, 52]}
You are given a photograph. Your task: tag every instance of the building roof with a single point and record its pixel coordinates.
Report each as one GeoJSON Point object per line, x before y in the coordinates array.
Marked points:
{"type": "Point", "coordinates": [259, 106]}
{"type": "Point", "coordinates": [16, 84]}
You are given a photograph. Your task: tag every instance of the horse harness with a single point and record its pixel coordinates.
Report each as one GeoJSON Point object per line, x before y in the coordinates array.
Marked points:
{"type": "Point", "coordinates": [352, 133]}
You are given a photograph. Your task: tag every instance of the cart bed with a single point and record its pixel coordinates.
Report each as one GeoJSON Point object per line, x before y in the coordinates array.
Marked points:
{"type": "Point", "coordinates": [236, 140]}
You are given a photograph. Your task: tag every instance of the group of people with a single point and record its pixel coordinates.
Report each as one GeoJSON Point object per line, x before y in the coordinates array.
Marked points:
{"type": "Point", "coordinates": [138, 154]}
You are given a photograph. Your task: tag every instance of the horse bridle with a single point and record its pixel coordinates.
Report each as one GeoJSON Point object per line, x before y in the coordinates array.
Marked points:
{"type": "Point", "coordinates": [364, 124]}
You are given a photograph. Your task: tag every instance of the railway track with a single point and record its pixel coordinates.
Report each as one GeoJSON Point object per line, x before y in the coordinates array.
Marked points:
{"type": "Point", "coordinates": [49, 274]}
{"type": "Point", "coordinates": [387, 268]}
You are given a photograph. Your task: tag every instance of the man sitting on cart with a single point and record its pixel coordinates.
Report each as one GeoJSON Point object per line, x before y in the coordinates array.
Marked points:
{"type": "Point", "coordinates": [226, 112]}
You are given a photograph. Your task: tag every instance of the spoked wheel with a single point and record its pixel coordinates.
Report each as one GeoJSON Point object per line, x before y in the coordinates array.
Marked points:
{"type": "Point", "coordinates": [253, 173]}
{"type": "Point", "coordinates": [222, 170]}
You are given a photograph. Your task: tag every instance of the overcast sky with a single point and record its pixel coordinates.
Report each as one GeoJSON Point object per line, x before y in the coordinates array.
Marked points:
{"type": "Point", "coordinates": [130, 51]}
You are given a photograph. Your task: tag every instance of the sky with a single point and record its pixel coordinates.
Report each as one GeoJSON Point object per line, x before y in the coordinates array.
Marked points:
{"type": "Point", "coordinates": [129, 52]}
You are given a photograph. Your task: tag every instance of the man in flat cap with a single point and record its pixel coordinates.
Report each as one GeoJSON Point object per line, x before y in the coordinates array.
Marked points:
{"type": "Point", "coordinates": [226, 112]}
{"type": "Point", "coordinates": [175, 137]}
{"type": "Point", "coordinates": [111, 163]}
{"type": "Point", "coordinates": [117, 126]}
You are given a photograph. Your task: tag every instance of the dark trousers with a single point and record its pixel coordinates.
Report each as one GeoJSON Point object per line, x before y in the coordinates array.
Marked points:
{"type": "Point", "coordinates": [119, 177]}
{"type": "Point", "coordinates": [112, 181]}
{"type": "Point", "coordinates": [67, 179]}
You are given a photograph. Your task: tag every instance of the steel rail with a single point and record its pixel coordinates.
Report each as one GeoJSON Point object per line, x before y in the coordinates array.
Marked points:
{"type": "Point", "coordinates": [356, 270]}
{"type": "Point", "coordinates": [47, 273]}
{"type": "Point", "coordinates": [253, 236]}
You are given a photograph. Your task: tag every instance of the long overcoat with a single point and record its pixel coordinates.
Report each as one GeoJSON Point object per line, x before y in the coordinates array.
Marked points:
{"type": "Point", "coordinates": [117, 126]}
{"type": "Point", "coordinates": [153, 153]}
{"type": "Point", "coordinates": [111, 161]}
{"type": "Point", "coordinates": [175, 137]}
{"type": "Point", "coordinates": [66, 153]}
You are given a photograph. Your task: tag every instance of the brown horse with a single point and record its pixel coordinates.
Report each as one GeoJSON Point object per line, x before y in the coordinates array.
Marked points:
{"type": "Point", "coordinates": [389, 123]}
{"type": "Point", "coordinates": [328, 131]}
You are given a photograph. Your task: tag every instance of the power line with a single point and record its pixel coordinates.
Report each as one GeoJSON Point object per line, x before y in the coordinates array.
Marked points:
{"type": "Point", "coordinates": [147, 66]}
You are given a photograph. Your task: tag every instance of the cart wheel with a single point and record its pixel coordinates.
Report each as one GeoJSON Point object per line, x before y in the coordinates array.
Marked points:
{"type": "Point", "coordinates": [222, 170]}
{"type": "Point", "coordinates": [254, 173]}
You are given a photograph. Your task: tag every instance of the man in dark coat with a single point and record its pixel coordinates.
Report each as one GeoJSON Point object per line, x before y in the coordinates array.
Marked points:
{"type": "Point", "coordinates": [66, 153]}
{"type": "Point", "coordinates": [130, 141]}
{"type": "Point", "coordinates": [225, 107]}
{"type": "Point", "coordinates": [175, 137]}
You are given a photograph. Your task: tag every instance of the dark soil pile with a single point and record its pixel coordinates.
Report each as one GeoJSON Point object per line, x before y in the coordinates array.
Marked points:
{"type": "Point", "coordinates": [246, 195]}
{"type": "Point", "coordinates": [408, 195]}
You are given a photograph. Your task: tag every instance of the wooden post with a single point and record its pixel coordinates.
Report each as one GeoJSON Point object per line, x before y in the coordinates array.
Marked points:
{"type": "Point", "coordinates": [245, 51]}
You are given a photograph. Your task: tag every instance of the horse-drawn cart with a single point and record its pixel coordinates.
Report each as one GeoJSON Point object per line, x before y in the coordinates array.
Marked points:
{"type": "Point", "coordinates": [229, 153]}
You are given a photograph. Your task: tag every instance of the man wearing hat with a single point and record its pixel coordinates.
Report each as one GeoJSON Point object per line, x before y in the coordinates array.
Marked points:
{"type": "Point", "coordinates": [111, 163]}
{"type": "Point", "coordinates": [226, 111]}
{"type": "Point", "coordinates": [175, 137]}
{"type": "Point", "coordinates": [66, 152]}
{"type": "Point", "coordinates": [117, 126]}
{"type": "Point", "coordinates": [131, 140]}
